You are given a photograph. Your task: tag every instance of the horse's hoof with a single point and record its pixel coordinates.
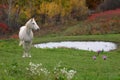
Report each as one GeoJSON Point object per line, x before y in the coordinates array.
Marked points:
{"type": "Point", "coordinates": [29, 56]}
{"type": "Point", "coordinates": [23, 56]}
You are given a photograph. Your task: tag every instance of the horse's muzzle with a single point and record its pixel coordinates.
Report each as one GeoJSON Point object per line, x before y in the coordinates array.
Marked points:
{"type": "Point", "coordinates": [38, 29]}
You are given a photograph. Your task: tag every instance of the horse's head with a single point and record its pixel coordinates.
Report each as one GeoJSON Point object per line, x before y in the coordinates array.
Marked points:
{"type": "Point", "coordinates": [32, 24]}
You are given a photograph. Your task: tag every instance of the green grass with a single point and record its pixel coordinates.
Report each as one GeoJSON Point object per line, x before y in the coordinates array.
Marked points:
{"type": "Point", "coordinates": [105, 37]}
{"type": "Point", "coordinates": [79, 60]}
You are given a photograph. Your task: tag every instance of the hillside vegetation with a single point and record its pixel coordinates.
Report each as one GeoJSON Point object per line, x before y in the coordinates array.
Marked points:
{"type": "Point", "coordinates": [107, 22]}
{"type": "Point", "coordinates": [54, 15]}
{"type": "Point", "coordinates": [99, 23]}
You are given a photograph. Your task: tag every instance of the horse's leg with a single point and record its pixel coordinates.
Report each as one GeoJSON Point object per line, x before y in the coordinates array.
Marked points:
{"type": "Point", "coordinates": [25, 54]}
{"type": "Point", "coordinates": [29, 47]}
{"type": "Point", "coordinates": [20, 43]}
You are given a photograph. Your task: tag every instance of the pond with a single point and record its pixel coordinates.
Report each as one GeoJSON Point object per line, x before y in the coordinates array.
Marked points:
{"type": "Point", "coordinates": [83, 45]}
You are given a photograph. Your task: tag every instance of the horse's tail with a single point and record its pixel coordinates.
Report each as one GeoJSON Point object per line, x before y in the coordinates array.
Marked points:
{"type": "Point", "coordinates": [21, 43]}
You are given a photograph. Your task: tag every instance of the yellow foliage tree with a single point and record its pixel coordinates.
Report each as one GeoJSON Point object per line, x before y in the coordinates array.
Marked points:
{"type": "Point", "coordinates": [53, 9]}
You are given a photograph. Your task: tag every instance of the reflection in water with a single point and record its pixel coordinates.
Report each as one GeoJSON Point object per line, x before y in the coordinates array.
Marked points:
{"type": "Point", "coordinates": [91, 46]}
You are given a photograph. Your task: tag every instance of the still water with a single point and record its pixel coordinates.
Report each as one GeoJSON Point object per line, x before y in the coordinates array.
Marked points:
{"type": "Point", "coordinates": [88, 45]}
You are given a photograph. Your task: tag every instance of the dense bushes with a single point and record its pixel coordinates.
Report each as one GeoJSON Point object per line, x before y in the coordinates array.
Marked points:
{"type": "Point", "coordinates": [3, 28]}
{"type": "Point", "coordinates": [3, 17]}
{"type": "Point", "coordinates": [109, 5]}
{"type": "Point", "coordinates": [92, 4]}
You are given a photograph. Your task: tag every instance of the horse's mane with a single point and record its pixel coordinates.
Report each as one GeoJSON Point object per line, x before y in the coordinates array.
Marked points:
{"type": "Point", "coordinates": [26, 24]}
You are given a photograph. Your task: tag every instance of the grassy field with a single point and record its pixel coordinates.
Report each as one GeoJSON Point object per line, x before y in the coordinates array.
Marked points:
{"type": "Point", "coordinates": [13, 66]}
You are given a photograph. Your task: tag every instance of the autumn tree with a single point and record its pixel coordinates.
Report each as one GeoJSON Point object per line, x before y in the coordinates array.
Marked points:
{"type": "Point", "coordinates": [109, 5]}
{"type": "Point", "coordinates": [45, 11]}
{"type": "Point", "coordinates": [62, 10]}
{"type": "Point", "coordinates": [92, 4]}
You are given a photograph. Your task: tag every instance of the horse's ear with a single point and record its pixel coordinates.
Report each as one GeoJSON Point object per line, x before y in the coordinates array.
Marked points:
{"type": "Point", "coordinates": [31, 19]}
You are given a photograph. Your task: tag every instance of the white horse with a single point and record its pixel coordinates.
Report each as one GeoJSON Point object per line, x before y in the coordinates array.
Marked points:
{"type": "Point", "coordinates": [26, 36]}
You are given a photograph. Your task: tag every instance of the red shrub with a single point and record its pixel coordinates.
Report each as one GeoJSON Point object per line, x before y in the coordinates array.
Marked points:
{"type": "Point", "coordinates": [14, 36]}
{"type": "Point", "coordinates": [0, 13]}
{"type": "Point", "coordinates": [107, 14]}
{"type": "Point", "coordinates": [3, 6]}
{"type": "Point", "coordinates": [3, 28]}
